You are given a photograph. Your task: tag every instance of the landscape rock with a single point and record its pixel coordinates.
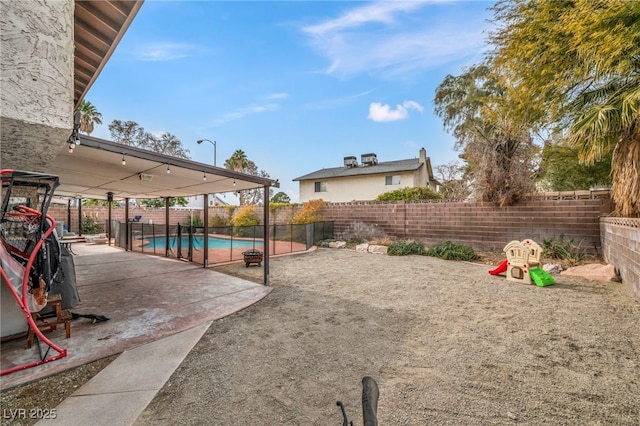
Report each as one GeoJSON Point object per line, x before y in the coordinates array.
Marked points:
{"type": "Point", "coordinates": [378, 249]}
{"type": "Point", "coordinates": [552, 268]}
{"type": "Point", "coordinates": [337, 244]}
{"type": "Point", "coordinates": [364, 247]}
{"type": "Point", "coordinates": [593, 271]}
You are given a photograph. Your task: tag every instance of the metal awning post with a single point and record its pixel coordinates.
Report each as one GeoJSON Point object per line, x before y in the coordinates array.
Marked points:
{"type": "Point", "coordinates": [110, 201]}
{"type": "Point", "coordinates": [266, 234]}
{"type": "Point", "coordinates": [205, 215]}
{"type": "Point", "coordinates": [80, 217]}
{"type": "Point", "coordinates": [127, 246]}
{"type": "Point", "coordinates": [166, 225]}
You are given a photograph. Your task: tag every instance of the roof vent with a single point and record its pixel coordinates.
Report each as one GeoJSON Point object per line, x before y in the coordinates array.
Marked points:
{"type": "Point", "coordinates": [145, 178]}
{"type": "Point", "coordinates": [350, 161]}
{"type": "Point", "coordinates": [369, 159]}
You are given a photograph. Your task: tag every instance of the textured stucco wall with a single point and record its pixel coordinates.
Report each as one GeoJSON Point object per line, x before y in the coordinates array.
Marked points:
{"type": "Point", "coordinates": [37, 80]}
{"type": "Point", "coordinates": [366, 187]}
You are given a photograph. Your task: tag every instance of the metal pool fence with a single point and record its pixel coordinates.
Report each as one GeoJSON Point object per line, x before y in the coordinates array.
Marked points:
{"type": "Point", "coordinates": [226, 243]}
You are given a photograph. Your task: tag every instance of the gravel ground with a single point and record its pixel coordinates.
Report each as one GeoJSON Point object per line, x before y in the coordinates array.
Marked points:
{"type": "Point", "coordinates": [446, 342]}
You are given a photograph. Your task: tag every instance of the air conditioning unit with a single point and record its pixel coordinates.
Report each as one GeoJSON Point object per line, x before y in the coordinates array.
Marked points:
{"type": "Point", "coordinates": [145, 178]}
{"type": "Point", "coordinates": [350, 161]}
{"type": "Point", "coordinates": [369, 159]}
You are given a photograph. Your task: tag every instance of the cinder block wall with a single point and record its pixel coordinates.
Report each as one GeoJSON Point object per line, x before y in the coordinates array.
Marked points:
{"type": "Point", "coordinates": [481, 225]}
{"type": "Point", "coordinates": [621, 246]}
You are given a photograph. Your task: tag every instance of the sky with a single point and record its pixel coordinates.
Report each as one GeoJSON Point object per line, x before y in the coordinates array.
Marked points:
{"type": "Point", "coordinates": [296, 85]}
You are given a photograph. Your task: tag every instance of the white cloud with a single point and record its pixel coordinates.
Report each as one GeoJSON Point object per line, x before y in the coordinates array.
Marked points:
{"type": "Point", "coordinates": [163, 51]}
{"type": "Point", "coordinates": [278, 96]}
{"type": "Point", "coordinates": [394, 39]}
{"type": "Point", "coordinates": [381, 12]}
{"type": "Point", "coordinates": [335, 102]}
{"type": "Point", "coordinates": [243, 112]}
{"type": "Point", "coordinates": [382, 113]}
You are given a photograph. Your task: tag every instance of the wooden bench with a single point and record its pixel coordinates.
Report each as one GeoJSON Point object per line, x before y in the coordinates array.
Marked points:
{"type": "Point", "coordinates": [50, 324]}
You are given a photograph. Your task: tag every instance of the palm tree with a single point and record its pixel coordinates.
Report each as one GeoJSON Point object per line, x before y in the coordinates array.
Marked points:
{"type": "Point", "coordinates": [89, 116]}
{"type": "Point", "coordinates": [608, 118]}
{"type": "Point", "coordinates": [237, 162]}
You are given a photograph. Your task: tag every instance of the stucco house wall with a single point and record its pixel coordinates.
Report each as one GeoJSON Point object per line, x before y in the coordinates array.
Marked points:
{"type": "Point", "coordinates": [356, 188]}
{"type": "Point", "coordinates": [37, 80]}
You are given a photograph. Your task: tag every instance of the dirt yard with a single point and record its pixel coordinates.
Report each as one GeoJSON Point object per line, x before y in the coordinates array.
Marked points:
{"type": "Point", "coordinates": [447, 343]}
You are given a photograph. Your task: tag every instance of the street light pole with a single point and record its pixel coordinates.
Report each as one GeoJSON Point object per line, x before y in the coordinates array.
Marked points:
{"type": "Point", "coordinates": [214, 148]}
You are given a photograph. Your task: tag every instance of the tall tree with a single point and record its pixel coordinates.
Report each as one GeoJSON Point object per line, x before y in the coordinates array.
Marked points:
{"type": "Point", "coordinates": [168, 144]}
{"type": "Point", "coordinates": [240, 163]}
{"type": "Point", "coordinates": [89, 116]}
{"type": "Point", "coordinates": [492, 130]}
{"type": "Point", "coordinates": [562, 171]}
{"type": "Point", "coordinates": [237, 162]}
{"type": "Point", "coordinates": [281, 197]}
{"type": "Point", "coordinates": [132, 134]}
{"type": "Point", "coordinates": [454, 185]}
{"type": "Point", "coordinates": [580, 61]}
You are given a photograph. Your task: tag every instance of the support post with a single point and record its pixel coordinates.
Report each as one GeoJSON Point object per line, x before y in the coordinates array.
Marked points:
{"type": "Point", "coordinates": [166, 225]}
{"type": "Point", "coordinates": [79, 217]}
{"type": "Point", "coordinates": [127, 229]}
{"type": "Point", "coordinates": [110, 201]}
{"type": "Point", "coordinates": [68, 217]}
{"type": "Point", "coordinates": [266, 235]}
{"type": "Point", "coordinates": [205, 215]}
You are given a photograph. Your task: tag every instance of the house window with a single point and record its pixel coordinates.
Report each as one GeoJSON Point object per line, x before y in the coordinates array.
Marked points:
{"type": "Point", "coordinates": [321, 186]}
{"type": "Point", "coordinates": [392, 180]}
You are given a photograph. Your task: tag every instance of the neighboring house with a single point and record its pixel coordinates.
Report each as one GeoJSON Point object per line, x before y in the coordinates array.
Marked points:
{"type": "Point", "coordinates": [366, 181]}
{"type": "Point", "coordinates": [196, 202]}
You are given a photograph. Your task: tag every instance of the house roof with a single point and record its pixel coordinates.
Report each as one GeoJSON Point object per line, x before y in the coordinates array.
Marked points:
{"type": "Point", "coordinates": [98, 28]}
{"type": "Point", "coordinates": [383, 167]}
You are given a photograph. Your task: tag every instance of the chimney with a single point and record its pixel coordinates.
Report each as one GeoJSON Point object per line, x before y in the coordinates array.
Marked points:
{"type": "Point", "coordinates": [369, 159]}
{"type": "Point", "coordinates": [350, 161]}
{"type": "Point", "coordinates": [423, 155]}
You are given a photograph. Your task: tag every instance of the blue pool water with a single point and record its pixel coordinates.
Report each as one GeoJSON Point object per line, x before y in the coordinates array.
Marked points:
{"type": "Point", "coordinates": [198, 242]}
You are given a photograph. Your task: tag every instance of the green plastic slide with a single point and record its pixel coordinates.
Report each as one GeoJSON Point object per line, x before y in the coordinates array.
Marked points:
{"type": "Point", "coordinates": [540, 277]}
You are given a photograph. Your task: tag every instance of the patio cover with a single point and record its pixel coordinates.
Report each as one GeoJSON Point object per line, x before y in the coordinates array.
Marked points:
{"type": "Point", "coordinates": [95, 168]}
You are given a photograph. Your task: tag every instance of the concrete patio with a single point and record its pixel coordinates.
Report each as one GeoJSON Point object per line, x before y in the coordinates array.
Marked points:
{"type": "Point", "coordinates": [145, 297]}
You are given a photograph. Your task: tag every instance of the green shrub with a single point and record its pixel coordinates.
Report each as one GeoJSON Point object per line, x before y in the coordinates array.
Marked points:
{"type": "Point", "coordinates": [90, 225]}
{"type": "Point", "coordinates": [193, 220]}
{"type": "Point", "coordinates": [246, 216]}
{"type": "Point", "coordinates": [404, 248]}
{"type": "Point", "coordinates": [452, 251]}
{"type": "Point", "coordinates": [355, 240]}
{"type": "Point", "coordinates": [309, 213]}
{"type": "Point", "coordinates": [245, 220]}
{"type": "Point", "coordinates": [562, 249]}
{"type": "Point", "coordinates": [218, 221]}
{"type": "Point", "coordinates": [416, 193]}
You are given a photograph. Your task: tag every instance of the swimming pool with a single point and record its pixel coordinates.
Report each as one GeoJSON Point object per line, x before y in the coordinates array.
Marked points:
{"type": "Point", "coordinates": [198, 242]}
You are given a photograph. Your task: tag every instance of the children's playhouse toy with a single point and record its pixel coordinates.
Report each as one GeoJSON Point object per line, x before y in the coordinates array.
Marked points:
{"type": "Point", "coordinates": [523, 264]}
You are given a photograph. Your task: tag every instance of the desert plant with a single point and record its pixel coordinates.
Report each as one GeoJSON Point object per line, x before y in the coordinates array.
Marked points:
{"type": "Point", "coordinates": [404, 248]}
{"type": "Point", "coordinates": [451, 251]}
{"type": "Point", "coordinates": [563, 249]}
